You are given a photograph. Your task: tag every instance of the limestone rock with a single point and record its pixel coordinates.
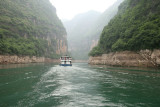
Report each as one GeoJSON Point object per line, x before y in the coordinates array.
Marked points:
{"type": "Point", "coordinates": [143, 58]}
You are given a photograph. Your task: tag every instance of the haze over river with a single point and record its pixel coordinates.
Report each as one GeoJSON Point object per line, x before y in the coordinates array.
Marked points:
{"type": "Point", "coordinates": [82, 85]}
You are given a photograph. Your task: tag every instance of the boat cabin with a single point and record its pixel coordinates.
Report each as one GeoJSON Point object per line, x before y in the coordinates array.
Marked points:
{"type": "Point", "coordinates": [66, 61]}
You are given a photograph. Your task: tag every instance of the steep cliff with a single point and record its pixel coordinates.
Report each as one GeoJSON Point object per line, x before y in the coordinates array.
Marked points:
{"type": "Point", "coordinates": [31, 27]}
{"type": "Point", "coordinates": [135, 27]}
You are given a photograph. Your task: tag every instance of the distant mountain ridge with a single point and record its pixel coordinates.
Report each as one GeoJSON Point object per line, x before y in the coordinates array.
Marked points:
{"type": "Point", "coordinates": [31, 27]}
{"type": "Point", "coordinates": [84, 30]}
{"type": "Point", "coordinates": [81, 23]}
{"type": "Point", "coordinates": [76, 30]}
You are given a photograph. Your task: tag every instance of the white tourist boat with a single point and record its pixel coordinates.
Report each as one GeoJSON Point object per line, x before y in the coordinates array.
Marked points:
{"type": "Point", "coordinates": [66, 61]}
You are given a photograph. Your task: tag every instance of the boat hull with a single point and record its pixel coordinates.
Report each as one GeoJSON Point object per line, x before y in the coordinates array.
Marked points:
{"type": "Point", "coordinates": [65, 64]}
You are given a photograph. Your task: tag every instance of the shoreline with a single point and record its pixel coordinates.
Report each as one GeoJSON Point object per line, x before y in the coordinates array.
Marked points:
{"type": "Point", "coordinates": [14, 59]}
{"type": "Point", "coordinates": [143, 58]}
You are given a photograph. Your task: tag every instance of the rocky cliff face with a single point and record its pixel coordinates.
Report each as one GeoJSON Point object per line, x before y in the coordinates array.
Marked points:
{"type": "Point", "coordinates": [143, 58]}
{"type": "Point", "coordinates": [31, 28]}
{"type": "Point", "coordinates": [61, 47]}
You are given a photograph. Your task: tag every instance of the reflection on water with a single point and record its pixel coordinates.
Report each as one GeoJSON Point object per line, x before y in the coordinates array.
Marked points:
{"type": "Point", "coordinates": [82, 85]}
{"type": "Point", "coordinates": [7, 66]}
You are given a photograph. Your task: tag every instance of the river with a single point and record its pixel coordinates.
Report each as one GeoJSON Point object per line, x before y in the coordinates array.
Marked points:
{"type": "Point", "coordinates": [82, 85]}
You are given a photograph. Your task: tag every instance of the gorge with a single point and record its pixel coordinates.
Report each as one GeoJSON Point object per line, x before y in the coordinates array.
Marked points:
{"type": "Point", "coordinates": [31, 31]}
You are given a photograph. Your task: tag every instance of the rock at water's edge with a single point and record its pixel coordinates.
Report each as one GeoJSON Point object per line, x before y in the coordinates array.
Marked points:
{"type": "Point", "coordinates": [143, 58]}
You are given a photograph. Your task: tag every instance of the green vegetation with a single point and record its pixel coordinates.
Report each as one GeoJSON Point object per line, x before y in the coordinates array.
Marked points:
{"type": "Point", "coordinates": [96, 51]}
{"type": "Point", "coordinates": [135, 27]}
{"type": "Point", "coordinates": [29, 27]}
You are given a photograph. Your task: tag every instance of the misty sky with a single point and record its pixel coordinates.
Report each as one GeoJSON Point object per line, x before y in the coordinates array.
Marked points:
{"type": "Point", "coordinates": [67, 9]}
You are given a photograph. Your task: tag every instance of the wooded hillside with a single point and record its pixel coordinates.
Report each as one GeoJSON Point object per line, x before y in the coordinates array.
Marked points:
{"type": "Point", "coordinates": [29, 27]}
{"type": "Point", "coordinates": [135, 27]}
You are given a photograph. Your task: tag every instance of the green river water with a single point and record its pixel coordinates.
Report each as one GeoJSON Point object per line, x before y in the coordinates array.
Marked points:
{"type": "Point", "coordinates": [82, 85]}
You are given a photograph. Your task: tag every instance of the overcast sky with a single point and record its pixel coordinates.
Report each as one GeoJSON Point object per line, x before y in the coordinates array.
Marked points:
{"type": "Point", "coordinates": [67, 9]}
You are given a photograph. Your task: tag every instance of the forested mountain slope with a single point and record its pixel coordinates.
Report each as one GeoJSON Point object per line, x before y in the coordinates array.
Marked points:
{"type": "Point", "coordinates": [135, 27]}
{"type": "Point", "coordinates": [31, 27]}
